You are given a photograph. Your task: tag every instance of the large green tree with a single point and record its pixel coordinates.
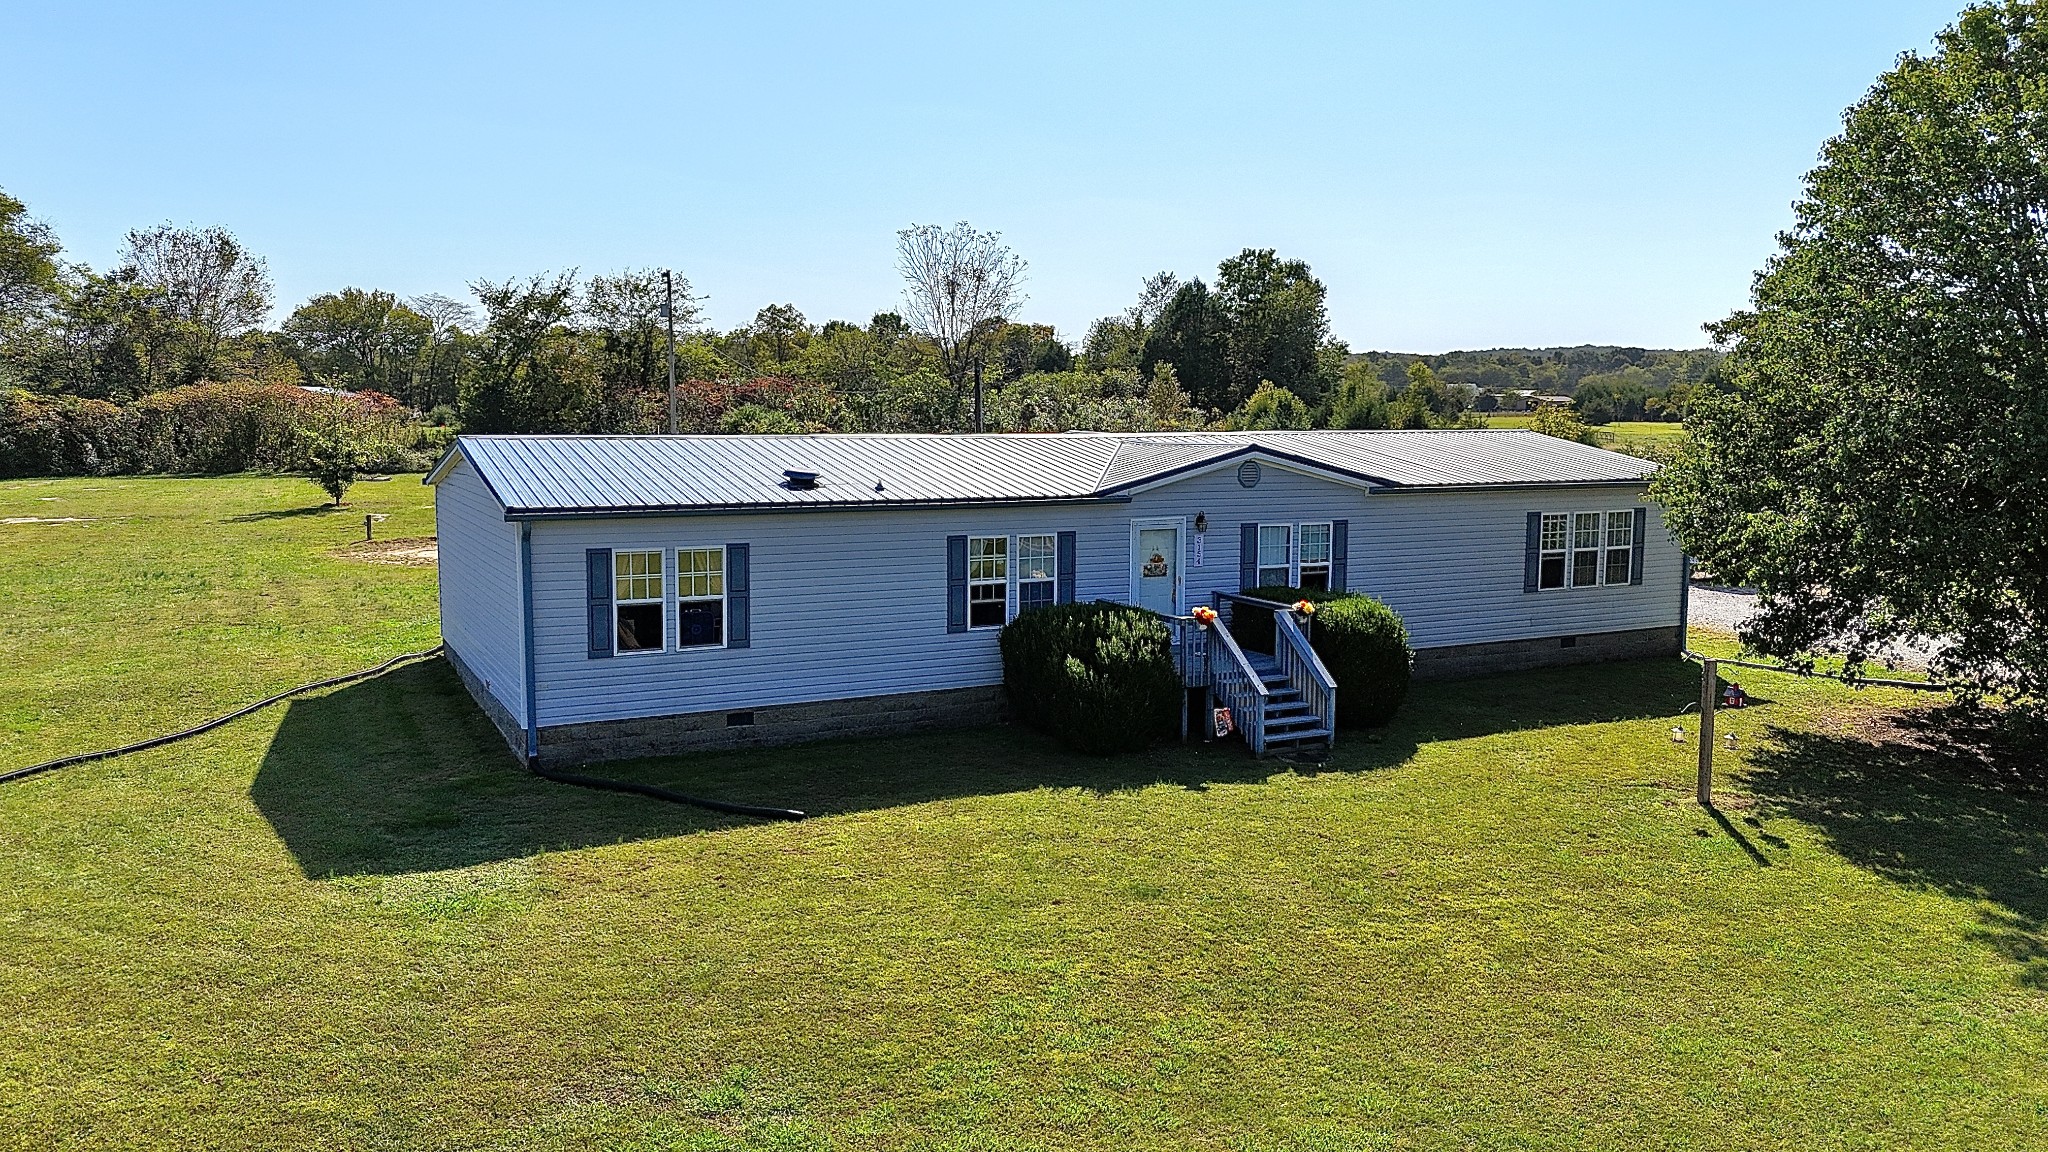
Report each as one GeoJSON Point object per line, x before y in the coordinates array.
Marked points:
{"type": "Point", "coordinates": [1192, 333]}
{"type": "Point", "coordinates": [531, 370]}
{"type": "Point", "coordinates": [358, 339]}
{"type": "Point", "coordinates": [205, 286]}
{"type": "Point", "coordinates": [1877, 463]}
{"type": "Point", "coordinates": [1278, 324]}
{"type": "Point", "coordinates": [30, 278]}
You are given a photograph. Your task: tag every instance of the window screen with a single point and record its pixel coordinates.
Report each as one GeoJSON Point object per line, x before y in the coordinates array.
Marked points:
{"type": "Point", "coordinates": [1276, 543]}
{"type": "Point", "coordinates": [637, 601]}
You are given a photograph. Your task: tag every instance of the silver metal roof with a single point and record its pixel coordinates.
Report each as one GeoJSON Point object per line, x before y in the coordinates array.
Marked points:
{"type": "Point", "coordinates": [610, 475]}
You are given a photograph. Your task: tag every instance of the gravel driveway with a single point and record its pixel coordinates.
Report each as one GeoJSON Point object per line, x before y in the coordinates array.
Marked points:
{"type": "Point", "coordinates": [1723, 609]}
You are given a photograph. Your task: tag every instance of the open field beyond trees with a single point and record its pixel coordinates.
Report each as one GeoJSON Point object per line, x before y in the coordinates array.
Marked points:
{"type": "Point", "coordinates": [354, 922]}
{"type": "Point", "coordinates": [1621, 435]}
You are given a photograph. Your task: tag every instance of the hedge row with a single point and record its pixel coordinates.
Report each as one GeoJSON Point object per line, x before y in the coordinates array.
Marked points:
{"type": "Point", "coordinates": [206, 428]}
{"type": "Point", "coordinates": [1100, 676]}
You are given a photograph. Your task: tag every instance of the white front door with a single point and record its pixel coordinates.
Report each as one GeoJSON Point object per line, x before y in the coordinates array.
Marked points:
{"type": "Point", "coordinates": [1158, 569]}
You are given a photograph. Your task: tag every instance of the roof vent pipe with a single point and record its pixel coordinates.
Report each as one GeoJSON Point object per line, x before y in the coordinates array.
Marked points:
{"type": "Point", "coordinates": [798, 480]}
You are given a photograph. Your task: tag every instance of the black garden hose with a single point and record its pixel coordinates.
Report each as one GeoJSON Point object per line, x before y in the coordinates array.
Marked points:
{"type": "Point", "coordinates": [597, 782]}
{"type": "Point", "coordinates": [604, 785]}
{"type": "Point", "coordinates": [217, 721]}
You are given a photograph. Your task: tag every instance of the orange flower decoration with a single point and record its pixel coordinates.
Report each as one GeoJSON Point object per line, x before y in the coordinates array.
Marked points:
{"type": "Point", "coordinates": [1305, 607]}
{"type": "Point", "coordinates": [1205, 616]}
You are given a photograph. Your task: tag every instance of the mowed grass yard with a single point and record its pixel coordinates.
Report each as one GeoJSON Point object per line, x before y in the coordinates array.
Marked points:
{"type": "Point", "coordinates": [354, 922]}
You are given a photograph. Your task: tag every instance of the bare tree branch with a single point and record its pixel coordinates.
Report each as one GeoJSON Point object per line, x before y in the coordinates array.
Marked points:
{"type": "Point", "coordinates": [960, 281]}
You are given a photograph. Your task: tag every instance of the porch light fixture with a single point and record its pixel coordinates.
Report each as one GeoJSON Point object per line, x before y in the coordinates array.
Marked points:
{"type": "Point", "coordinates": [1201, 521]}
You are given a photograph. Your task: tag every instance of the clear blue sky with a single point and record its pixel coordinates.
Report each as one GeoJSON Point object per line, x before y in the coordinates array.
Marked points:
{"type": "Point", "coordinates": [1469, 175]}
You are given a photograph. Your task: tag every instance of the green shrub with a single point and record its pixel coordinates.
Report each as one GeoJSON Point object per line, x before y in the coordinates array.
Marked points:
{"type": "Point", "coordinates": [1360, 640]}
{"type": "Point", "coordinates": [58, 435]}
{"type": "Point", "coordinates": [1253, 627]}
{"type": "Point", "coordinates": [1098, 676]}
{"type": "Point", "coordinates": [208, 428]}
{"type": "Point", "coordinates": [1365, 646]}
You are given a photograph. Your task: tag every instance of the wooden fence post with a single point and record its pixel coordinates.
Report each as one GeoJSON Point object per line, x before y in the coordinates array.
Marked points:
{"type": "Point", "coordinates": [1710, 683]}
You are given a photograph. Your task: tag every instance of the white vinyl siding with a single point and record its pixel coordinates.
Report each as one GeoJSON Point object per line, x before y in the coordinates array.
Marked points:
{"type": "Point", "coordinates": [480, 594]}
{"type": "Point", "coordinates": [1450, 563]}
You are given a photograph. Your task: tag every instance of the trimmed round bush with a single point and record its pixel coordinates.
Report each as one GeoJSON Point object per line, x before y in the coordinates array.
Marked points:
{"type": "Point", "coordinates": [1365, 646]}
{"type": "Point", "coordinates": [1099, 677]}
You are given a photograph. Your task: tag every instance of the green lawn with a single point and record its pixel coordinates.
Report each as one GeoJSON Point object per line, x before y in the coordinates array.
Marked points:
{"type": "Point", "coordinates": [353, 922]}
{"type": "Point", "coordinates": [1621, 435]}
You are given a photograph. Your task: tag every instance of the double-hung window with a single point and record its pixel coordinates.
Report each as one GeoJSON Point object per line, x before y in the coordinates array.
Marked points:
{"type": "Point", "coordinates": [1556, 536]}
{"type": "Point", "coordinates": [638, 601]}
{"type": "Point", "coordinates": [1621, 546]}
{"type": "Point", "coordinates": [1586, 549]}
{"type": "Point", "coordinates": [1276, 555]}
{"type": "Point", "coordinates": [1315, 557]}
{"type": "Point", "coordinates": [1586, 546]}
{"type": "Point", "coordinates": [988, 581]}
{"type": "Point", "coordinates": [1037, 562]}
{"type": "Point", "coordinates": [700, 597]}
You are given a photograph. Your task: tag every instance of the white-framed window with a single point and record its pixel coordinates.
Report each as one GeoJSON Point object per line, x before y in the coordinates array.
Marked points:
{"type": "Point", "coordinates": [700, 597]}
{"type": "Point", "coordinates": [1555, 541]}
{"type": "Point", "coordinates": [1315, 557]}
{"type": "Point", "coordinates": [988, 581]}
{"type": "Point", "coordinates": [1276, 555]}
{"type": "Point", "coordinates": [1037, 569]}
{"type": "Point", "coordinates": [639, 601]}
{"type": "Point", "coordinates": [1621, 546]}
{"type": "Point", "coordinates": [1586, 549]}
{"type": "Point", "coordinates": [1587, 544]}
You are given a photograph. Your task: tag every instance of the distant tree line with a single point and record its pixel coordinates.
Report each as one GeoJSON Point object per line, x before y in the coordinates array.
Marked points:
{"type": "Point", "coordinates": [1249, 348]}
{"type": "Point", "coordinates": [1606, 383]}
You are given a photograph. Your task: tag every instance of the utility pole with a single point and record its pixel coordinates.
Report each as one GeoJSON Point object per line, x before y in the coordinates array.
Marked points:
{"type": "Point", "coordinates": [668, 311]}
{"type": "Point", "coordinates": [1710, 684]}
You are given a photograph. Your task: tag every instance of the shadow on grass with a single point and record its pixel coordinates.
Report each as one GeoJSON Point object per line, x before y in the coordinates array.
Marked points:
{"type": "Point", "coordinates": [403, 773]}
{"type": "Point", "coordinates": [1944, 798]}
{"type": "Point", "coordinates": [282, 514]}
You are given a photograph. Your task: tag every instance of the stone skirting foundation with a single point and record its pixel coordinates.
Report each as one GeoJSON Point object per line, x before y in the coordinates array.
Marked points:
{"type": "Point", "coordinates": [769, 726]}
{"type": "Point", "coordinates": [1460, 660]}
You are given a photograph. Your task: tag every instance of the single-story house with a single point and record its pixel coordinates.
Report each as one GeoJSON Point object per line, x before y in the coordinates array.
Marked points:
{"type": "Point", "coordinates": [607, 596]}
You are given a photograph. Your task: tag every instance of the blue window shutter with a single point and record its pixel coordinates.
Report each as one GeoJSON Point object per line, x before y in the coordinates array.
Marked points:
{"type": "Point", "coordinates": [1532, 553]}
{"type": "Point", "coordinates": [739, 596]}
{"type": "Point", "coordinates": [956, 583]}
{"type": "Point", "coordinates": [1068, 551]}
{"type": "Point", "coordinates": [597, 576]}
{"type": "Point", "coordinates": [1340, 555]}
{"type": "Point", "coordinates": [1247, 557]}
{"type": "Point", "coordinates": [1635, 561]}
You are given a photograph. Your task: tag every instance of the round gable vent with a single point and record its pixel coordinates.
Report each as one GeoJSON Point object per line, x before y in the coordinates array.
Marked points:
{"type": "Point", "coordinates": [1248, 473]}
